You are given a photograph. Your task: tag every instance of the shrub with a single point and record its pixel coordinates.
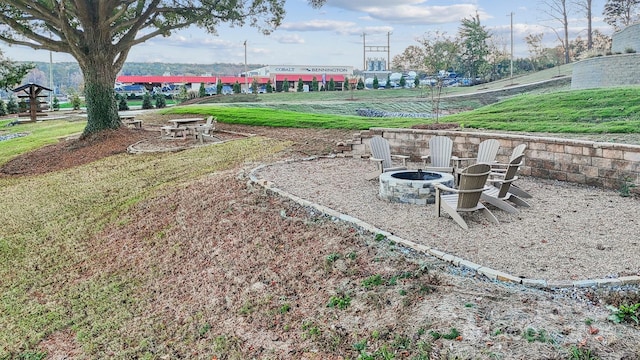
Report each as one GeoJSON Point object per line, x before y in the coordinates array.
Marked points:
{"type": "Point", "coordinates": [202, 92]}
{"type": "Point", "coordinates": [269, 87]}
{"type": "Point", "coordinates": [161, 102]}
{"type": "Point", "coordinates": [285, 85]}
{"type": "Point", "coordinates": [3, 108]}
{"type": "Point", "coordinates": [56, 104]}
{"type": "Point", "coordinates": [376, 83]}
{"type": "Point", "coordinates": [76, 102]}
{"type": "Point", "coordinates": [345, 84]}
{"type": "Point", "coordinates": [146, 101]}
{"type": "Point", "coordinates": [183, 94]}
{"type": "Point", "coordinates": [332, 85]}
{"type": "Point", "coordinates": [629, 51]}
{"type": "Point", "coordinates": [22, 105]}
{"type": "Point", "coordinates": [300, 85]}
{"type": "Point", "coordinates": [122, 104]}
{"type": "Point", "coordinates": [360, 85]}
{"type": "Point", "coordinates": [12, 106]}
{"type": "Point", "coordinates": [219, 87]}
{"type": "Point", "coordinates": [314, 84]}
{"type": "Point", "coordinates": [237, 89]}
{"type": "Point", "coordinates": [254, 86]}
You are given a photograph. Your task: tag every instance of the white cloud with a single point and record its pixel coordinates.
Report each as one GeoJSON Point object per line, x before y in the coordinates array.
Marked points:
{"type": "Point", "coordinates": [291, 39]}
{"type": "Point", "coordinates": [317, 25]}
{"type": "Point", "coordinates": [409, 11]}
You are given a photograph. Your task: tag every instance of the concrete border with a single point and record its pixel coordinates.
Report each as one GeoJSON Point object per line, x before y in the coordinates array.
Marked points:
{"type": "Point", "coordinates": [489, 273]}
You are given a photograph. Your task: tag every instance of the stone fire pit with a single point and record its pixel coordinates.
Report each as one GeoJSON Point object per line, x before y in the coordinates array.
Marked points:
{"type": "Point", "coordinates": [412, 186]}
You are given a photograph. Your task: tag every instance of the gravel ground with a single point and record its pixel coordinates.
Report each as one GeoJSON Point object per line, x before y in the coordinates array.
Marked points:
{"type": "Point", "coordinates": [570, 233]}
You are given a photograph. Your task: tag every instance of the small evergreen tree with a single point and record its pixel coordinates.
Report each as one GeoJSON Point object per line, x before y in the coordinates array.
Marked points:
{"type": "Point", "coordinates": [202, 92]}
{"type": "Point", "coordinates": [219, 87]}
{"type": "Point", "coordinates": [122, 103]}
{"type": "Point", "coordinates": [56, 104]}
{"type": "Point", "coordinates": [3, 108]}
{"type": "Point", "coordinates": [237, 89]}
{"type": "Point", "coordinates": [76, 102]}
{"type": "Point", "coordinates": [403, 82]}
{"type": "Point", "coordinates": [300, 85]}
{"type": "Point", "coordinates": [332, 85]}
{"type": "Point", "coordinates": [360, 85]}
{"type": "Point", "coordinates": [387, 85]}
{"type": "Point", "coordinates": [146, 101]}
{"type": "Point", "coordinates": [161, 102]}
{"type": "Point", "coordinates": [269, 87]}
{"type": "Point", "coordinates": [12, 106]}
{"type": "Point", "coordinates": [416, 82]}
{"type": "Point", "coordinates": [345, 84]}
{"type": "Point", "coordinates": [314, 84]}
{"type": "Point", "coordinates": [183, 94]}
{"type": "Point", "coordinates": [22, 105]}
{"type": "Point", "coordinates": [254, 86]}
{"type": "Point", "coordinates": [376, 83]}
{"type": "Point", "coordinates": [285, 85]}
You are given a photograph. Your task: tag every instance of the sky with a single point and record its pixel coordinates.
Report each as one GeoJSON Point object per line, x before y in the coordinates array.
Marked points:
{"type": "Point", "coordinates": [333, 34]}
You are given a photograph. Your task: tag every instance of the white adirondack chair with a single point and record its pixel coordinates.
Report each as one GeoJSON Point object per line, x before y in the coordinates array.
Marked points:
{"type": "Point", "coordinates": [439, 158]}
{"type": "Point", "coordinates": [381, 155]}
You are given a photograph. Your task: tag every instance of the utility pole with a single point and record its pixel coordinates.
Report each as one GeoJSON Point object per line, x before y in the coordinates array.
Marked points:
{"type": "Point", "coordinates": [388, 51]}
{"type": "Point", "coordinates": [246, 86]}
{"type": "Point", "coordinates": [511, 46]}
{"type": "Point", "coordinates": [364, 52]}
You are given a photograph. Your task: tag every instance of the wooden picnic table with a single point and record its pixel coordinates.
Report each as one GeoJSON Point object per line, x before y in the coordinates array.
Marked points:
{"type": "Point", "coordinates": [130, 120]}
{"type": "Point", "coordinates": [179, 127]}
{"type": "Point", "coordinates": [186, 122]}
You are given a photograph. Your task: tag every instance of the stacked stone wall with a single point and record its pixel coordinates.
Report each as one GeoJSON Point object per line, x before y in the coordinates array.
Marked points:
{"type": "Point", "coordinates": [622, 69]}
{"type": "Point", "coordinates": [605, 165]}
{"type": "Point", "coordinates": [627, 38]}
{"type": "Point", "coordinates": [606, 71]}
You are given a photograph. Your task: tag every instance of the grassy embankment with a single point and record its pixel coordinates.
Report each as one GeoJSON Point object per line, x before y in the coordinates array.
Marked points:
{"type": "Point", "coordinates": [586, 111]}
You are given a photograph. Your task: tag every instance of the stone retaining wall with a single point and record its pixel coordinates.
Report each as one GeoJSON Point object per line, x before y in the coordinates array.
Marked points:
{"type": "Point", "coordinates": [612, 70]}
{"type": "Point", "coordinates": [627, 38]}
{"type": "Point", "coordinates": [605, 165]}
{"type": "Point", "coordinates": [606, 71]}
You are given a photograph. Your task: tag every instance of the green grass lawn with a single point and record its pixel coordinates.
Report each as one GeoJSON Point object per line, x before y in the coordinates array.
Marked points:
{"type": "Point", "coordinates": [585, 111]}
{"type": "Point", "coordinates": [39, 134]}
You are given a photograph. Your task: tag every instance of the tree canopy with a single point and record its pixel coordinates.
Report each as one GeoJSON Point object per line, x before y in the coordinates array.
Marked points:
{"type": "Point", "coordinates": [473, 38]}
{"type": "Point", "coordinates": [621, 13]}
{"type": "Point", "coordinates": [12, 73]}
{"type": "Point", "coordinates": [100, 34]}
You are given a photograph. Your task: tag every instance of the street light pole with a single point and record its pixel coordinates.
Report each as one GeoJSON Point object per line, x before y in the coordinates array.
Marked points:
{"type": "Point", "coordinates": [246, 87]}
{"type": "Point", "coordinates": [511, 46]}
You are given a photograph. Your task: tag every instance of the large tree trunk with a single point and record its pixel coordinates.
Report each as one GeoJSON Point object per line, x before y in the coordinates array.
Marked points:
{"type": "Point", "coordinates": [102, 110]}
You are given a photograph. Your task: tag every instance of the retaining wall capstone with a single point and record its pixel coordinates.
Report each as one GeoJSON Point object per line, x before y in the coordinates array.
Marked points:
{"type": "Point", "coordinates": [604, 165]}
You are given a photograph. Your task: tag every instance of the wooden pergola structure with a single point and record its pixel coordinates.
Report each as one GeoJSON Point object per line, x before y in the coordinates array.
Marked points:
{"type": "Point", "coordinates": [32, 92]}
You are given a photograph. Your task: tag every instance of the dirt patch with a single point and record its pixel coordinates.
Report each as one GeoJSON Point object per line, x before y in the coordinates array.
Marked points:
{"type": "Point", "coordinates": [73, 152]}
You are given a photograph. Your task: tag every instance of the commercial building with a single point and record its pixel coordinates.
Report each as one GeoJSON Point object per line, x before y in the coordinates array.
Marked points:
{"type": "Point", "coordinates": [277, 74]}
